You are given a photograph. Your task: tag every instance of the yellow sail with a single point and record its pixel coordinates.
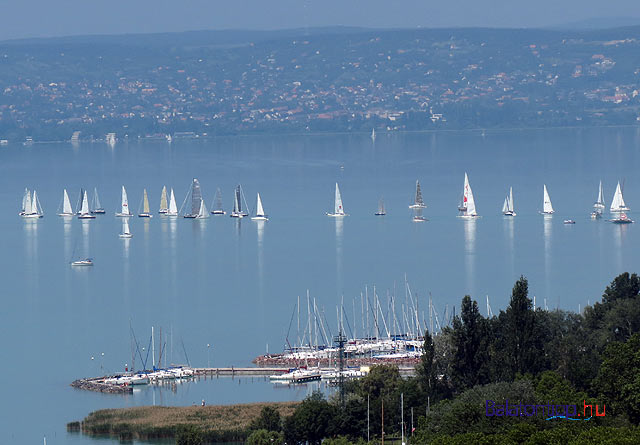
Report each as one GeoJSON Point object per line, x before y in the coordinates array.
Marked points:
{"type": "Point", "coordinates": [145, 203]}
{"type": "Point", "coordinates": [163, 200]}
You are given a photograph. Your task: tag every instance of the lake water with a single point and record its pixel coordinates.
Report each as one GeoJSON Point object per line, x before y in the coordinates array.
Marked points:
{"type": "Point", "coordinates": [233, 284]}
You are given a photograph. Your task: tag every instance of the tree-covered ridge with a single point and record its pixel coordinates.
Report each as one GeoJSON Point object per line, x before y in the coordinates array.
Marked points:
{"type": "Point", "coordinates": [320, 80]}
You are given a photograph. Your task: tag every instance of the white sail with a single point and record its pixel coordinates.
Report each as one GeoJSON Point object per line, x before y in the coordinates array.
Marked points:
{"type": "Point", "coordinates": [618, 204]}
{"type": "Point", "coordinates": [125, 204]}
{"type": "Point", "coordinates": [25, 197]}
{"type": "Point", "coordinates": [237, 202]}
{"type": "Point", "coordinates": [259, 209]}
{"type": "Point", "coordinates": [468, 207]}
{"type": "Point", "coordinates": [97, 207]}
{"type": "Point", "coordinates": [84, 210]}
{"type": "Point", "coordinates": [163, 201]}
{"type": "Point", "coordinates": [202, 212]}
{"type": "Point", "coordinates": [546, 202]}
{"type": "Point", "coordinates": [505, 206]}
{"type": "Point", "coordinates": [35, 205]}
{"type": "Point", "coordinates": [66, 204]}
{"type": "Point", "coordinates": [511, 206]}
{"type": "Point", "coordinates": [173, 208]}
{"type": "Point", "coordinates": [338, 209]}
{"type": "Point", "coordinates": [27, 204]}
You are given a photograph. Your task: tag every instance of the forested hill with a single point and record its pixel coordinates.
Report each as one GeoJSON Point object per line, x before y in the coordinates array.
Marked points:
{"type": "Point", "coordinates": [324, 79]}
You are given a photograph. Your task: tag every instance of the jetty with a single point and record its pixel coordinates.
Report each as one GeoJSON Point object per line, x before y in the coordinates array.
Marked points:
{"type": "Point", "coordinates": [111, 384]}
{"type": "Point", "coordinates": [99, 384]}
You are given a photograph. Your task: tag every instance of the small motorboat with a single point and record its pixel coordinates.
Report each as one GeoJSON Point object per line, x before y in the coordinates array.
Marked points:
{"type": "Point", "coordinates": [84, 262]}
{"type": "Point", "coordinates": [569, 221]}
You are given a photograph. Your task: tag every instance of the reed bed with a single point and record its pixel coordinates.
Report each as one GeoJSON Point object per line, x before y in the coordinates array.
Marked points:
{"type": "Point", "coordinates": [217, 423]}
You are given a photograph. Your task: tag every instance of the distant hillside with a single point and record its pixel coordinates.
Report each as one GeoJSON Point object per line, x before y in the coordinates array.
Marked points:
{"type": "Point", "coordinates": [324, 79]}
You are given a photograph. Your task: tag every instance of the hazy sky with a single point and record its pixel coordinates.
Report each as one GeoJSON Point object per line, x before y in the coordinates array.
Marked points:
{"type": "Point", "coordinates": [31, 18]}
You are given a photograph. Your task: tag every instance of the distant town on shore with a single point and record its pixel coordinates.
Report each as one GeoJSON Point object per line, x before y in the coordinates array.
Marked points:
{"type": "Point", "coordinates": [209, 83]}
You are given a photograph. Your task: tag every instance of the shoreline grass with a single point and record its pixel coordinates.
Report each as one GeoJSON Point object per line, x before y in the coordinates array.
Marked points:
{"type": "Point", "coordinates": [217, 423]}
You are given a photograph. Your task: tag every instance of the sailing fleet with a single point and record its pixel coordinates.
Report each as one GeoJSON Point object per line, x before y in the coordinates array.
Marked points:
{"type": "Point", "coordinates": [194, 206]}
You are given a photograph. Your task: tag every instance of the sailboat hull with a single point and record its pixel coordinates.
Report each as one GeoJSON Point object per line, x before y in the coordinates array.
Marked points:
{"type": "Point", "coordinates": [163, 211]}
{"type": "Point", "coordinates": [259, 218]}
{"type": "Point", "coordinates": [218, 212]}
{"type": "Point", "coordinates": [509, 213]}
{"type": "Point", "coordinates": [336, 215]}
{"type": "Point", "coordinates": [124, 215]}
{"type": "Point", "coordinates": [145, 215]}
{"type": "Point", "coordinates": [125, 235]}
{"type": "Point", "coordinates": [98, 212]}
{"type": "Point", "coordinates": [380, 213]}
{"type": "Point", "coordinates": [66, 214]}
{"type": "Point", "coordinates": [417, 206]}
{"type": "Point", "coordinates": [31, 215]}
{"type": "Point", "coordinates": [86, 216]}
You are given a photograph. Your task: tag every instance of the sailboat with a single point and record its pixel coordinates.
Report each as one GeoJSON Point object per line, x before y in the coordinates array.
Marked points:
{"type": "Point", "coordinates": [547, 208]}
{"type": "Point", "coordinates": [467, 207]}
{"type": "Point", "coordinates": [173, 208]}
{"type": "Point", "coordinates": [238, 202]}
{"type": "Point", "coordinates": [125, 204]}
{"type": "Point", "coordinates": [598, 206]}
{"type": "Point", "coordinates": [84, 209]}
{"type": "Point", "coordinates": [126, 233]}
{"type": "Point", "coordinates": [260, 216]}
{"type": "Point", "coordinates": [338, 210]}
{"type": "Point", "coordinates": [96, 208]}
{"type": "Point", "coordinates": [164, 205]}
{"type": "Point", "coordinates": [622, 219]}
{"type": "Point", "coordinates": [216, 206]}
{"type": "Point", "coordinates": [507, 207]}
{"type": "Point", "coordinates": [373, 134]}
{"type": "Point", "coordinates": [381, 211]}
{"type": "Point", "coordinates": [617, 204]}
{"type": "Point", "coordinates": [146, 211]}
{"type": "Point", "coordinates": [31, 206]}
{"type": "Point", "coordinates": [198, 209]}
{"type": "Point", "coordinates": [418, 202]}
{"type": "Point", "coordinates": [66, 205]}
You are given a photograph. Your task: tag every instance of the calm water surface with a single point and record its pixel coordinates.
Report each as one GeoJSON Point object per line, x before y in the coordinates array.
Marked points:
{"type": "Point", "coordinates": [233, 284]}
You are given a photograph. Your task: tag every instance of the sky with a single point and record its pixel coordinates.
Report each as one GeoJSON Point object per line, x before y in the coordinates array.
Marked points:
{"type": "Point", "coordinates": [45, 18]}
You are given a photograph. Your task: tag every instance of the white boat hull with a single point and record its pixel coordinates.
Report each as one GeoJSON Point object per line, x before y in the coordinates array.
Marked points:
{"type": "Point", "coordinates": [259, 218]}
{"type": "Point", "coordinates": [125, 235]}
{"type": "Point", "coordinates": [124, 215]}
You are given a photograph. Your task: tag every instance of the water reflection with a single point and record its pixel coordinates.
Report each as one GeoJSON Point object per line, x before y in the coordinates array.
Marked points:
{"type": "Point", "coordinates": [470, 254]}
{"type": "Point", "coordinates": [31, 251]}
{"type": "Point", "coordinates": [67, 226]}
{"type": "Point", "coordinates": [547, 227]}
{"type": "Point", "coordinates": [85, 237]}
{"type": "Point", "coordinates": [509, 225]}
{"type": "Point", "coordinates": [339, 239]}
{"type": "Point", "coordinates": [260, 232]}
{"type": "Point", "coordinates": [619, 241]}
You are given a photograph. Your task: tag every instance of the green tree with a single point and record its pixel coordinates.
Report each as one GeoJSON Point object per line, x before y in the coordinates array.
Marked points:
{"type": "Point", "coordinates": [313, 420]}
{"type": "Point", "coordinates": [619, 377]}
{"type": "Point", "coordinates": [269, 420]}
{"type": "Point", "coordinates": [471, 347]}
{"type": "Point", "coordinates": [426, 369]}
{"type": "Point", "coordinates": [265, 437]}
{"type": "Point", "coordinates": [623, 287]}
{"type": "Point", "coordinates": [520, 345]}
